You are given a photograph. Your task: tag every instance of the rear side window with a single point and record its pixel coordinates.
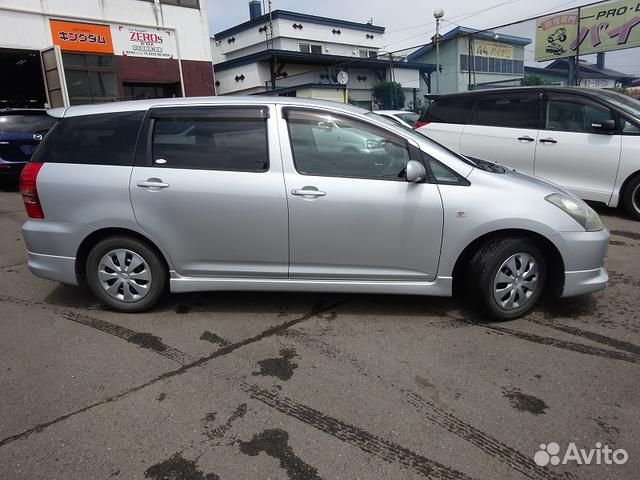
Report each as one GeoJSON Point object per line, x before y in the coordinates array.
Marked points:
{"type": "Point", "coordinates": [450, 110]}
{"type": "Point", "coordinates": [514, 111]}
{"type": "Point", "coordinates": [211, 139]}
{"type": "Point", "coordinates": [104, 139]}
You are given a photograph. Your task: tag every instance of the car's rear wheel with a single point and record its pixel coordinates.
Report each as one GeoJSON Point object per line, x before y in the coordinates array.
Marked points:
{"type": "Point", "coordinates": [126, 274]}
{"type": "Point", "coordinates": [507, 277]}
{"type": "Point", "coordinates": [631, 197]}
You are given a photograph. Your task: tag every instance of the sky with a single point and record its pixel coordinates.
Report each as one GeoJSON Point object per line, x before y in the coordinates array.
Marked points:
{"type": "Point", "coordinates": [410, 22]}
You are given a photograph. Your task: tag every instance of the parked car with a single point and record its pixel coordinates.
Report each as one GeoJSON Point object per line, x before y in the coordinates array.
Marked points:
{"type": "Point", "coordinates": [407, 119]}
{"type": "Point", "coordinates": [254, 201]}
{"type": "Point", "coordinates": [585, 140]}
{"type": "Point", "coordinates": [21, 130]}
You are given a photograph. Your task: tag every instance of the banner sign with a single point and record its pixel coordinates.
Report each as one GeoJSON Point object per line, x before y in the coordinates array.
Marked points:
{"type": "Point", "coordinates": [81, 37]}
{"type": "Point", "coordinates": [143, 42]}
{"type": "Point", "coordinates": [612, 26]}
{"type": "Point", "coordinates": [492, 49]}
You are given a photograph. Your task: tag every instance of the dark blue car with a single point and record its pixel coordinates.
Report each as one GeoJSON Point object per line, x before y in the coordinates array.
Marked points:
{"type": "Point", "coordinates": [21, 130]}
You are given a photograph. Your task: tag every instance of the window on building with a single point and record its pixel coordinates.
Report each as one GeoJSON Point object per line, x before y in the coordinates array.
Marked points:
{"type": "Point", "coordinates": [515, 111]}
{"type": "Point", "coordinates": [366, 53]}
{"type": "Point", "coordinates": [310, 48]}
{"type": "Point", "coordinates": [141, 91]}
{"type": "Point", "coordinates": [210, 139]}
{"type": "Point", "coordinates": [491, 65]}
{"type": "Point", "coordinates": [90, 78]}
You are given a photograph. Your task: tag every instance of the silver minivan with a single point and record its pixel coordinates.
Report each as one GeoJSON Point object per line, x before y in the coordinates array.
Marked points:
{"type": "Point", "coordinates": [244, 194]}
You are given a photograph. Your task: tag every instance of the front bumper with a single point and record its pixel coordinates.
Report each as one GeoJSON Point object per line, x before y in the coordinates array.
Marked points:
{"type": "Point", "coordinates": [584, 255]}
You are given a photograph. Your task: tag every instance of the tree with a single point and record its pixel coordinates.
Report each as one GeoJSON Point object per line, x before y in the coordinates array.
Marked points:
{"type": "Point", "coordinates": [388, 95]}
{"type": "Point", "coordinates": [531, 80]}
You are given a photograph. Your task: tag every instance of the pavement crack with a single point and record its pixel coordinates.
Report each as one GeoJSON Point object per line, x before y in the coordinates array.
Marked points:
{"type": "Point", "coordinates": [274, 330]}
{"type": "Point", "coordinates": [355, 436]}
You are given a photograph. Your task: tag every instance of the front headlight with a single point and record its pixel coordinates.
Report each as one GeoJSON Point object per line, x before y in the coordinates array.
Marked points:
{"type": "Point", "coordinates": [578, 210]}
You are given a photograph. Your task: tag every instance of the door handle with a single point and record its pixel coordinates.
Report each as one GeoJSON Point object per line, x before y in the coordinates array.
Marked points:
{"type": "Point", "coordinates": [153, 183]}
{"type": "Point", "coordinates": [548, 140]}
{"type": "Point", "coordinates": [305, 192]}
{"type": "Point", "coordinates": [526, 138]}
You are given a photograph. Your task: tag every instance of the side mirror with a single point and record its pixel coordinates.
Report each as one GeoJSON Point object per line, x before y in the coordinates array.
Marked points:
{"type": "Point", "coordinates": [415, 172]}
{"type": "Point", "coordinates": [604, 126]}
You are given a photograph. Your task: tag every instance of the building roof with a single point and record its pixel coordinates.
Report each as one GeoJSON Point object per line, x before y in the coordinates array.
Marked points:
{"type": "Point", "coordinates": [300, 17]}
{"type": "Point", "coordinates": [290, 56]}
{"type": "Point", "coordinates": [561, 66]}
{"type": "Point", "coordinates": [464, 31]}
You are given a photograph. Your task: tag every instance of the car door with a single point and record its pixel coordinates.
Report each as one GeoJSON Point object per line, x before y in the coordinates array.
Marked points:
{"type": "Point", "coordinates": [208, 186]}
{"type": "Point", "coordinates": [504, 130]}
{"type": "Point", "coordinates": [352, 215]}
{"type": "Point", "coordinates": [574, 154]}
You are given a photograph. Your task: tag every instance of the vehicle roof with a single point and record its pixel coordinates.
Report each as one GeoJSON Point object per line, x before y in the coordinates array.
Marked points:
{"type": "Point", "coordinates": [547, 88]}
{"type": "Point", "coordinates": [392, 112]}
{"type": "Point", "coordinates": [143, 105]}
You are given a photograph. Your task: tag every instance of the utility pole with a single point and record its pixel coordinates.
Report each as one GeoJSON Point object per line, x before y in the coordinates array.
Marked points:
{"type": "Point", "coordinates": [438, 14]}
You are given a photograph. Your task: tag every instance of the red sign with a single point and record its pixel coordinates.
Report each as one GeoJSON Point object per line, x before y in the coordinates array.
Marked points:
{"type": "Point", "coordinates": [81, 37]}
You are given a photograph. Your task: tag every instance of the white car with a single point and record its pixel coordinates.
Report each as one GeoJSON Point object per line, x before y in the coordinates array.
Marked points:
{"type": "Point", "coordinates": [403, 117]}
{"type": "Point", "coordinates": [584, 140]}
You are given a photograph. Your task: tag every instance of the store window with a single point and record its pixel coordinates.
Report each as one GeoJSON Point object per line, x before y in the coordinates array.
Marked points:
{"type": "Point", "coordinates": [141, 91]}
{"type": "Point", "coordinates": [491, 65]}
{"type": "Point", "coordinates": [91, 78]}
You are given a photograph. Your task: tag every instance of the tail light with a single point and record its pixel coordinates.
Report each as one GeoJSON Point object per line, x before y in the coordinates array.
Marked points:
{"type": "Point", "coordinates": [29, 191]}
{"type": "Point", "coordinates": [420, 124]}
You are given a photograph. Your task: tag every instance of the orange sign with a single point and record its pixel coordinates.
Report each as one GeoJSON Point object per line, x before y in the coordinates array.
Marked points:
{"type": "Point", "coordinates": [81, 37]}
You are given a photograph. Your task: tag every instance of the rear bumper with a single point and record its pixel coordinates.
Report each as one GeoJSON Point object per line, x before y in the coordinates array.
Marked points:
{"type": "Point", "coordinates": [52, 267]}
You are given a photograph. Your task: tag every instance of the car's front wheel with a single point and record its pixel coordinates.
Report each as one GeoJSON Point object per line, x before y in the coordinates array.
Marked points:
{"type": "Point", "coordinates": [631, 197]}
{"type": "Point", "coordinates": [126, 274]}
{"type": "Point", "coordinates": [507, 277]}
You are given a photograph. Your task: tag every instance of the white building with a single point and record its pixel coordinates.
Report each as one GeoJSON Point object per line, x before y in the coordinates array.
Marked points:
{"type": "Point", "coordinates": [471, 59]}
{"type": "Point", "coordinates": [288, 53]}
{"type": "Point", "coordinates": [102, 50]}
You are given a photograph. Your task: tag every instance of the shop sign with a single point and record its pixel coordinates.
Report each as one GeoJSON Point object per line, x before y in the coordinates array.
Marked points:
{"type": "Point", "coordinates": [492, 49]}
{"type": "Point", "coordinates": [143, 42]}
{"type": "Point", "coordinates": [81, 37]}
{"type": "Point", "coordinates": [612, 26]}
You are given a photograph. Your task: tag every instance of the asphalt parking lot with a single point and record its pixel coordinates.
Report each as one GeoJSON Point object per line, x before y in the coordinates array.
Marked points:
{"type": "Point", "coordinates": [294, 386]}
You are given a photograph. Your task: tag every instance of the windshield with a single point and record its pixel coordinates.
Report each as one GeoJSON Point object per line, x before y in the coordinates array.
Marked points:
{"type": "Point", "coordinates": [25, 123]}
{"type": "Point", "coordinates": [477, 163]}
{"type": "Point", "coordinates": [628, 104]}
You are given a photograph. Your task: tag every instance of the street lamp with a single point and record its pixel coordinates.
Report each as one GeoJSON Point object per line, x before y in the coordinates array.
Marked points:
{"type": "Point", "coordinates": [438, 14]}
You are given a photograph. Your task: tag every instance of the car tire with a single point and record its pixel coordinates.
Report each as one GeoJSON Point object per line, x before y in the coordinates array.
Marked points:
{"type": "Point", "coordinates": [631, 198]}
{"type": "Point", "coordinates": [133, 288]}
{"type": "Point", "coordinates": [506, 277]}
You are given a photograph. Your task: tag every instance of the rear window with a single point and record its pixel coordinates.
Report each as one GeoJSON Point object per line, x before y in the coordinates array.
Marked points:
{"type": "Point", "coordinates": [26, 123]}
{"type": "Point", "coordinates": [514, 111]}
{"type": "Point", "coordinates": [450, 110]}
{"type": "Point", "coordinates": [105, 139]}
